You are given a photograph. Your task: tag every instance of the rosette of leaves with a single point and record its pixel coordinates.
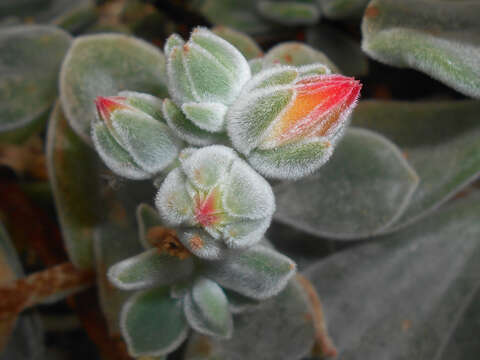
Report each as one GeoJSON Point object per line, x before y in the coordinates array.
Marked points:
{"type": "Point", "coordinates": [175, 290]}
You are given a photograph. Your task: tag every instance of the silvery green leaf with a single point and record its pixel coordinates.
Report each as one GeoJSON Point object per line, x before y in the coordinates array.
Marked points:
{"type": "Point", "coordinates": [361, 191]}
{"type": "Point", "coordinates": [103, 65]}
{"type": "Point", "coordinates": [185, 129]}
{"type": "Point", "coordinates": [30, 57]}
{"type": "Point", "coordinates": [419, 290]}
{"type": "Point", "coordinates": [148, 269]}
{"type": "Point", "coordinates": [114, 156]}
{"type": "Point", "coordinates": [296, 54]}
{"type": "Point", "coordinates": [206, 116]}
{"type": "Point", "coordinates": [147, 103]}
{"type": "Point", "coordinates": [342, 49]}
{"type": "Point", "coordinates": [153, 323]}
{"type": "Point", "coordinates": [278, 329]}
{"type": "Point", "coordinates": [206, 309]}
{"type": "Point", "coordinates": [292, 161]}
{"type": "Point", "coordinates": [172, 41]}
{"type": "Point", "coordinates": [439, 140]}
{"type": "Point", "coordinates": [258, 272]}
{"type": "Point", "coordinates": [148, 141]}
{"type": "Point", "coordinates": [244, 43]}
{"type": "Point", "coordinates": [439, 38]}
{"type": "Point", "coordinates": [343, 9]}
{"type": "Point", "coordinates": [290, 12]}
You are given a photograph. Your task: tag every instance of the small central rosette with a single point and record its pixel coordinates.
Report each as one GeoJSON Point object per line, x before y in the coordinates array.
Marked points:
{"type": "Point", "coordinates": [205, 75]}
{"type": "Point", "coordinates": [287, 120]}
{"type": "Point", "coordinates": [215, 201]}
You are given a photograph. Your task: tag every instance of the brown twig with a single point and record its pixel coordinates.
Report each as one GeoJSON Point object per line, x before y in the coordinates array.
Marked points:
{"type": "Point", "coordinates": [324, 346]}
{"type": "Point", "coordinates": [33, 289]}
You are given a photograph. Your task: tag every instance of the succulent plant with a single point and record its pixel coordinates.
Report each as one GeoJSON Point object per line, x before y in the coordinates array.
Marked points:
{"type": "Point", "coordinates": [237, 201]}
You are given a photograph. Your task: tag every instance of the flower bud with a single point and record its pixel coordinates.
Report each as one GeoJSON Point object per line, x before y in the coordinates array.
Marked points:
{"type": "Point", "coordinates": [205, 75]}
{"type": "Point", "coordinates": [131, 137]}
{"type": "Point", "coordinates": [287, 120]}
{"type": "Point", "coordinates": [216, 201]}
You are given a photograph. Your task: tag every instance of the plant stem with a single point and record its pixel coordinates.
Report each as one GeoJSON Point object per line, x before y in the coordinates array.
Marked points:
{"type": "Point", "coordinates": [50, 284]}
{"type": "Point", "coordinates": [324, 346]}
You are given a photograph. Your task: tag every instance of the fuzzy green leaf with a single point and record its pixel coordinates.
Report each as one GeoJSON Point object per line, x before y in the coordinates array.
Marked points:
{"type": "Point", "coordinates": [419, 290]}
{"type": "Point", "coordinates": [440, 38]}
{"type": "Point", "coordinates": [206, 309]}
{"type": "Point", "coordinates": [365, 186]}
{"type": "Point", "coordinates": [207, 116]}
{"type": "Point", "coordinates": [153, 323]}
{"type": "Point", "coordinates": [279, 329]}
{"type": "Point", "coordinates": [103, 65]}
{"type": "Point", "coordinates": [244, 43]}
{"type": "Point", "coordinates": [297, 54]}
{"type": "Point", "coordinates": [440, 141]}
{"type": "Point", "coordinates": [290, 12]}
{"type": "Point", "coordinates": [30, 58]}
{"type": "Point", "coordinates": [258, 272]}
{"type": "Point", "coordinates": [149, 269]}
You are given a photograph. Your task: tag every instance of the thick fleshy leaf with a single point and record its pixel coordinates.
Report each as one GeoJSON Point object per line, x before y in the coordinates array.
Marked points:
{"type": "Point", "coordinates": [419, 290]}
{"type": "Point", "coordinates": [149, 269]}
{"type": "Point", "coordinates": [278, 329]}
{"type": "Point", "coordinates": [173, 200]}
{"type": "Point", "coordinates": [297, 54]}
{"type": "Point", "coordinates": [292, 161]}
{"type": "Point", "coordinates": [343, 9]}
{"type": "Point", "coordinates": [71, 165]}
{"type": "Point", "coordinates": [364, 188]}
{"type": "Point", "coordinates": [206, 309]}
{"type": "Point", "coordinates": [440, 38]}
{"type": "Point", "coordinates": [30, 58]}
{"type": "Point", "coordinates": [153, 323]}
{"type": "Point", "coordinates": [247, 194]}
{"type": "Point", "coordinates": [290, 12]}
{"type": "Point", "coordinates": [185, 129]}
{"type": "Point", "coordinates": [103, 65]}
{"type": "Point", "coordinates": [342, 49]}
{"type": "Point", "coordinates": [258, 272]}
{"type": "Point", "coordinates": [440, 141]}
{"type": "Point", "coordinates": [207, 116]}
{"type": "Point", "coordinates": [244, 43]}
{"type": "Point", "coordinates": [114, 156]}
{"type": "Point", "coordinates": [150, 143]}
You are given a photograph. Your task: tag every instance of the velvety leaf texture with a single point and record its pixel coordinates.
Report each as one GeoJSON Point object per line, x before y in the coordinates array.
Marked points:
{"type": "Point", "coordinates": [440, 38]}
{"type": "Point", "coordinates": [279, 329]}
{"type": "Point", "coordinates": [439, 140]}
{"type": "Point", "coordinates": [103, 65]}
{"type": "Point", "coordinates": [363, 189]}
{"type": "Point", "coordinates": [416, 290]}
{"type": "Point", "coordinates": [153, 323]}
{"type": "Point", "coordinates": [30, 57]}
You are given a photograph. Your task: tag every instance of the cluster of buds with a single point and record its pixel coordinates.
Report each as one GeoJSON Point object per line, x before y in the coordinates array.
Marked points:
{"type": "Point", "coordinates": [214, 207]}
{"type": "Point", "coordinates": [216, 201]}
